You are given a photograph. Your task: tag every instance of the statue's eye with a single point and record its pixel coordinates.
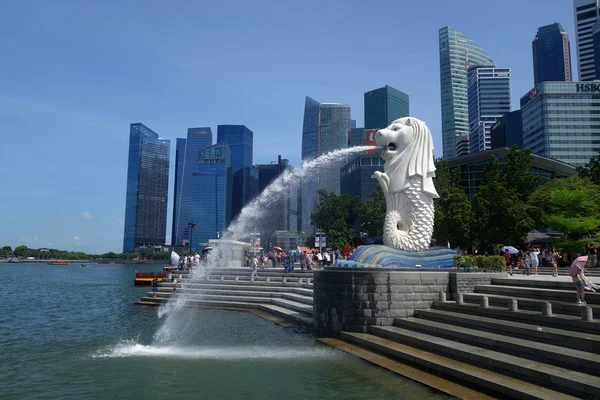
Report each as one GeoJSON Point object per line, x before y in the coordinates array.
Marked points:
{"type": "Point", "coordinates": [394, 128]}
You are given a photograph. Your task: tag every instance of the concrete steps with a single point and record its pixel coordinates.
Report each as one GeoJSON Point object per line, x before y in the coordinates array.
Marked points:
{"type": "Point", "coordinates": [300, 298]}
{"type": "Point", "coordinates": [567, 338]}
{"type": "Point", "coordinates": [546, 353]}
{"type": "Point", "coordinates": [287, 295]}
{"type": "Point", "coordinates": [290, 315]}
{"type": "Point", "coordinates": [538, 293]}
{"type": "Point", "coordinates": [559, 321]}
{"type": "Point", "coordinates": [529, 303]}
{"type": "Point", "coordinates": [555, 378]}
{"type": "Point", "coordinates": [505, 386]}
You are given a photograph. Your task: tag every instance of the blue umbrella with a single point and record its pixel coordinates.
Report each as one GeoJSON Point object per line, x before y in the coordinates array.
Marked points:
{"type": "Point", "coordinates": [511, 250]}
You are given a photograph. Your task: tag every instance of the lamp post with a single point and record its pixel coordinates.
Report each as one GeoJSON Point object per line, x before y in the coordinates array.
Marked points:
{"type": "Point", "coordinates": [191, 225]}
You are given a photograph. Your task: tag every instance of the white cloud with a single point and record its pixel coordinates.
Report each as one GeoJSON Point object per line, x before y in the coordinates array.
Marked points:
{"type": "Point", "coordinates": [76, 237]}
{"type": "Point", "coordinates": [87, 215]}
{"type": "Point", "coordinates": [35, 239]}
{"type": "Point", "coordinates": [121, 222]}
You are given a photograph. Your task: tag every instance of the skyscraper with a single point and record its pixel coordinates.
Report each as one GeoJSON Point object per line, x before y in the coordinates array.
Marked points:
{"type": "Point", "coordinates": [326, 128]}
{"type": "Point", "coordinates": [551, 54]}
{"type": "Point", "coordinates": [147, 188]}
{"type": "Point", "coordinates": [211, 185]}
{"type": "Point", "coordinates": [186, 164]}
{"type": "Point", "coordinates": [240, 140]}
{"type": "Point", "coordinates": [457, 52]}
{"type": "Point", "coordinates": [596, 36]}
{"type": "Point", "coordinates": [559, 121]}
{"type": "Point", "coordinates": [586, 15]}
{"type": "Point", "coordinates": [489, 95]}
{"type": "Point", "coordinates": [385, 105]}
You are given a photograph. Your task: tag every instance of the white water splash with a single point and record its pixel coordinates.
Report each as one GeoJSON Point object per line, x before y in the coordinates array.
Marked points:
{"type": "Point", "coordinates": [130, 348]}
{"type": "Point", "coordinates": [258, 208]}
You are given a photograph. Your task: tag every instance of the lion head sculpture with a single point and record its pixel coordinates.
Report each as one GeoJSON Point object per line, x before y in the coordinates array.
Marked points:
{"type": "Point", "coordinates": [407, 151]}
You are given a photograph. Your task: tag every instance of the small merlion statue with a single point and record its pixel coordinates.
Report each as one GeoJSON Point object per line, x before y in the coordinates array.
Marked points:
{"type": "Point", "coordinates": [406, 183]}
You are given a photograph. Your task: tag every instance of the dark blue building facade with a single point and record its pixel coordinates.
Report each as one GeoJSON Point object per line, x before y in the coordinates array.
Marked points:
{"type": "Point", "coordinates": [147, 188]}
{"type": "Point", "coordinates": [508, 131]}
{"type": "Point", "coordinates": [385, 105]}
{"type": "Point", "coordinates": [356, 177]}
{"type": "Point", "coordinates": [551, 54]}
{"type": "Point", "coordinates": [240, 140]}
{"type": "Point", "coordinates": [186, 164]}
{"type": "Point", "coordinates": [210, 190]}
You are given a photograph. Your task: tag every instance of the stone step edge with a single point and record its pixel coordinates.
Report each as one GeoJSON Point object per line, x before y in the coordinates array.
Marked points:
{"type": "Point", "coordinates": [242, 293]}
{"type": "Point", "coordinates": [580, 341]}
{"type": "Point", "coordinates": [407, 371]}
{"type": "Point", "coordinates": [550, 354]}
{"type": "Point", "coordinates": [556, 320]}
{"type": "Point", "coordinates": [295, 306]}
{"type": "Point", "coordinates": [564, 379]}
{"type": "Point", "coordinates": [479, 377]}
{"type": "Point", "coordinates": [542, 291]}
{"type": "Point", "coordinates": [560, 309]}
{"type": "Point", "coordinates": [287, 314]}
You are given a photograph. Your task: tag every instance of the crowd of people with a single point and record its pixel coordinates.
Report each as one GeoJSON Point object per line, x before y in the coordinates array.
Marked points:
{"type": "Point", "coordinates": [308, 260]}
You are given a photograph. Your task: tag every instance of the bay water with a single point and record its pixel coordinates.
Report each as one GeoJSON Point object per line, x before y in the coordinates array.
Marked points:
{"type": "Point", "coordinates": [68, 332]}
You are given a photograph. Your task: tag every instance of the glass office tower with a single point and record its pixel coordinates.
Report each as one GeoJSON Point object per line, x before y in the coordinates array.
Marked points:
{"type": "Point", "coordinates": [586, 15]}
{"type": "Point", "coordinates": [147, 188]}
{"type": "Point", "coordinates": [457, 52]}
{"type": "Point", "coordinates": [240, 140]}
{"type": "Point", "coordinates": [551, 54]}
{"type": "Point", "coordinates": [489, 96]}
{"type": "Point", "coordinates": [560, 121]}
{"type": "Point", "coordinates": [210, 188]}
{"type": "Point", "coordinates": [186, 163]}
{"type": "Point", "coordinates": [385, 105]}
{"type": "Point", "coordinates": [596, 38]}
{"type": "Point", "coordinates": [326, 128]}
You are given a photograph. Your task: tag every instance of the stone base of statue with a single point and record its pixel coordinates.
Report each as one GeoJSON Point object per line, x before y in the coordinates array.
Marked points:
{"type": "Point", "coordinates": [378, 256]}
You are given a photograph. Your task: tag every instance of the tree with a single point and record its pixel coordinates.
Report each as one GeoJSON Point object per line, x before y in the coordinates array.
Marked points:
{"type": "Point", "coordinates": [500, 216]}
{"type": "Point", "coordinates": [453, 213]}
{"type": "Point", "coordinates": [21, 251]}
{"type": "Point", "coordinates": [570, 205]}
{"type": "Point", "coordinates": [516, 172]}
{"type": "Point", "coordinates": [591, 170]}
{"type": "Point", "coordinates": [339, 234]}
{"type": "Point", "coordinates": [333, 207]}
{"type": "Point", "coordinates": [372, 214]}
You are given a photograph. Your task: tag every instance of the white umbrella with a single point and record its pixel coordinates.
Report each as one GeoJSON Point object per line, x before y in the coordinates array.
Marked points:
{"type": "Point", "coordinates": [511, 250]}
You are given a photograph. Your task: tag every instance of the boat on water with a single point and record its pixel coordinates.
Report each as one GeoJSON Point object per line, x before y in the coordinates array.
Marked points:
{"type": "Point", "coordinates": [58, 262]}
{"type": "Point", "coordinates": [84, 265]}
{"type": "Point", "coordinates": [141, 262]}
{"type": "Point", "coordinates": [120, 262]}
{"type": "Point", "coordinates": [146, 278]}
{"type": "Point", "coordinates": [15, 260]}
{"type": "Point", "coordinates": [103, 262]}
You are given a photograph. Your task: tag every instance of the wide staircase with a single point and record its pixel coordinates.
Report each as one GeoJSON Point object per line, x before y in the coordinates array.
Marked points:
{"type": "Point", "coordinates": [516, 338]}
{"type": "Point", "coordinates": [287, 295]}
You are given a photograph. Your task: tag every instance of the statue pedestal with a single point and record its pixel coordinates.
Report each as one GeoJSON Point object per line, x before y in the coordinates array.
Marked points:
{"type": "Point", "coordinates": [378, 256]}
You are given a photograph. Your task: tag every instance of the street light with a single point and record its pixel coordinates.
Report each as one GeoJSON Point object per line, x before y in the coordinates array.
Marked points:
{"type": "Point", "coordinates": [191, 225]}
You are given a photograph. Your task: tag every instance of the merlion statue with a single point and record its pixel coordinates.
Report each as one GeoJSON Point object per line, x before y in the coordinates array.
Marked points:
{"type": "Point", "coordinates": [406, 183]}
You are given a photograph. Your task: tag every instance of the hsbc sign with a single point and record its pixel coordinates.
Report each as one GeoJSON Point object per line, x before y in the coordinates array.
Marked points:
{"type": "Point", "coordinates": [588, 87]}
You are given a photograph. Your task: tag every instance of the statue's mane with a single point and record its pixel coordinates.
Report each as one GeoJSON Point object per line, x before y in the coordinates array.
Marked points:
{"type": "Point", "coordinates": [415, 159]}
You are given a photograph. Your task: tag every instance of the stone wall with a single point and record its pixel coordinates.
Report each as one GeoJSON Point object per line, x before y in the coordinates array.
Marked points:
{"type": "Point", "coordinates": [351, 300]}
{"type": "Point", "coordinates": [465, 282]}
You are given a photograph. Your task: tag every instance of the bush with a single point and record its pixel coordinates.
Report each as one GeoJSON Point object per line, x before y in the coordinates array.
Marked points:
{"type": "Point", "coordinates": [488, 263]}
{"type": "Point", "coordinates": [491, 263]}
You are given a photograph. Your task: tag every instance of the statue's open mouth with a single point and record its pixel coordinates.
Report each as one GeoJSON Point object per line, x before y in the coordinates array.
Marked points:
{"type": "Point", "coordinates": [391, 147]}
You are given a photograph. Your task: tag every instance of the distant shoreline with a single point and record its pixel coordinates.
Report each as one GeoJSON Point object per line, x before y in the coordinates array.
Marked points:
{"type": "Point", "coordinates": [5, 261]}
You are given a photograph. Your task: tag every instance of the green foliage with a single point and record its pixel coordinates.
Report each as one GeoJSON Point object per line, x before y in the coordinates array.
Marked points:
{"type": "Point", "coordinates": [500, 214]}
{"type": "Point", "coordinates": [372, 214]}
{"type": "Point", "coordinates": [339, 234]}
{"type": "Point", "coordinates": [570, 205]}
{"type": "Point", "coordinates": [591, 170]}
{"type": "Point", "coordinates": [491, 263]}
{"type": "Point", "coordinates": [464, 261]}
{"type": "Point", "coordinates": [21, 251]}
{"type": "Point", "coordinates": [453, 213]}
{"type": "Point", "coordinates": [332, 207]}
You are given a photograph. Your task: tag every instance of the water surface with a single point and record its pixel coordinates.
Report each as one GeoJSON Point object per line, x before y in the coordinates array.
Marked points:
{"type": "Point", "coordinates": [74, 333]}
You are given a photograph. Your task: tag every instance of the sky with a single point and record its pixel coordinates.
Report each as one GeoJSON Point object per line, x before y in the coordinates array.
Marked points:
{"type": "Point", "coordinates": [74, 75]}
